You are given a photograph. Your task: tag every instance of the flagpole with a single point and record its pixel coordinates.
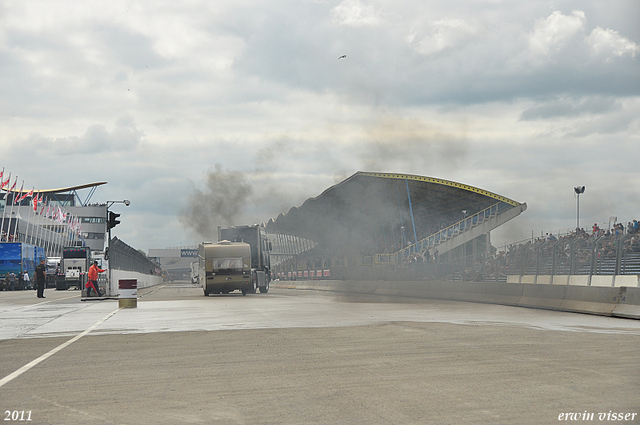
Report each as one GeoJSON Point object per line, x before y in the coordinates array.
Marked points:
{"type": "Point", "coordinates": [5, 202]}
{"type": "Point", "coordinates": [31, 213]}
{"type": "Point", "coordinates": [11, 214]}
{"type": "Point", "coordinates": [49, 233]}
{"type": "Point", "coordinates": [41, 230]}
{"type": "Point", "coordinates": [61, 233]}
{"type": "Point", "coordinates": [38, 227]}
{"type": "Point", "coordinates": [26, 232]}
{"type": "Point", "coordinates": [15, 228]}
{"type": "Point", "coordinates": [4, 210]}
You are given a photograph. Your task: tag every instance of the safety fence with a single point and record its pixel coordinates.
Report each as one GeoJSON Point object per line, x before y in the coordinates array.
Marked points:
{"type": "Point", "coordinates": [569, 256]}
{"type": "Point", "coordinates": [123, 257]}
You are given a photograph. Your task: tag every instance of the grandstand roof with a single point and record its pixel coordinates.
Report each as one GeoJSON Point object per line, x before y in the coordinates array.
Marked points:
{"type": "Point", "coordinates": [70, 188]}
{"type": "Point", "coordinates": [368, 207]}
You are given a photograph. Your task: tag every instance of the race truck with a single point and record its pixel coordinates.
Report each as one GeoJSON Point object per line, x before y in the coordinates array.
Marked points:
{"type": "Point", "coordinates": [18, 257]}
{"type": "Point", "coordinates": [194, 272]}
{"type": "Point", "coordinates": [74, 265]}
{"type": "Point", "coordinates": [53, 263]}
{"type": "Point", "coordinates": [256, 237]}
{"type": "Point", "coordinates": [225, 267]}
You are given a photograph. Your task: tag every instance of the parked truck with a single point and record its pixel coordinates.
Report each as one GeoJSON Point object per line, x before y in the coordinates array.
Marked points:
{"type": "Point", "coordinates": [53, 264]}
{"type": "Point", "coordinates": [225, 267]}
{"type": "Point", "coordinates": [74, 266]}
{"type": "Point", "coordinates": [18, 257]}
{"type": "Point", "coordinates": [194, 272]}
{"type": "Point", "coordinates": [256, 237]}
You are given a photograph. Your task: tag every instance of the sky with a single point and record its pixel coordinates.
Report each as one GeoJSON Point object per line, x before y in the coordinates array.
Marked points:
{"type": "Point", "coordinates": [206, 113]}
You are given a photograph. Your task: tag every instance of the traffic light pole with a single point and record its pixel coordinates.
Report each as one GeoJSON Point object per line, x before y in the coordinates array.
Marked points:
{"type": "Point", "coordinates": [111, 294]}
{"type": "Point", "coordinates": [112, 222]}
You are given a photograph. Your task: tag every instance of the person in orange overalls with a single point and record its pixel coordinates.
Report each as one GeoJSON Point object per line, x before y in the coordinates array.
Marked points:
{"type": "Point", "coordinates": [92, 279]}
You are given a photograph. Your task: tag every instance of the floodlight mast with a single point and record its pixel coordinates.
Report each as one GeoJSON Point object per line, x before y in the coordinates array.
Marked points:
{"type": "Point", "coordinates": [579, 190]}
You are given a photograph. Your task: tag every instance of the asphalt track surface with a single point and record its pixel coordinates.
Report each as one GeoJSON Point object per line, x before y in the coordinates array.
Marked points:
{"type": "Point", "coordinates": [305, 357]}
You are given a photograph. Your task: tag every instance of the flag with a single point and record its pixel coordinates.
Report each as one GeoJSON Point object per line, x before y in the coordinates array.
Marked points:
{"type": "Point", "coordinates": [26, 195]}
{"type": "Point", "coordinates": [5, 183]}
{"type": "Point", "coordinates": [1, 175]}
{"type": "Point", "coordinates": [14, 185]}
{"type": "Point", "coordinates": [9, 190]}
{"type": "Point", "coordinates": [19, 197]}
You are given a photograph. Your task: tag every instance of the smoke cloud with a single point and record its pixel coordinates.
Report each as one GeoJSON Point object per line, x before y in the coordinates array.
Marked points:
{"type": "Point", "coordinates": [221, 203]}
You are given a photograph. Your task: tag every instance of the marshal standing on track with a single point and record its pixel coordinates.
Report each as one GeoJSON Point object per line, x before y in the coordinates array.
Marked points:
{"type": "Point", "coordinates": [92, 279]}
{"type": "Point", "coordinates": [40, 278]}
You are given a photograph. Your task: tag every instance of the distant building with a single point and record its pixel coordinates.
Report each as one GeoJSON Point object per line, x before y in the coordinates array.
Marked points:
{"type": "Point", "coordinates": [69, 221]}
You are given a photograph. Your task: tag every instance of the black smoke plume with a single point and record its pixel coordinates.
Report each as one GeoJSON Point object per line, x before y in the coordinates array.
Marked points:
{"type": "Point", "coordinates": [222, 202]}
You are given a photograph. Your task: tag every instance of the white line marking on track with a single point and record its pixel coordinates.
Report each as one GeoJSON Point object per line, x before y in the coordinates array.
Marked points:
{"type": "Point", "coordinates": [43, 357]}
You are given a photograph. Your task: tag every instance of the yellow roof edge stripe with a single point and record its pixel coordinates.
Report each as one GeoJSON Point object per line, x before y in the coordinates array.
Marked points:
{"type": "Point", "coordinates": [442, 182]}
{"type": "Point", "coordinates": [70, 188]}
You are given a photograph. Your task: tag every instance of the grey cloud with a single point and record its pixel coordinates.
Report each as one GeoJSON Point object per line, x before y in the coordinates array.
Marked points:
{"type": "Point", "coordinates": [469, 57]}
{"type": "Point", "coordinates": [124, 137]}
{"type": "Point", "coordinates": [394, 142]}
{"type": "Point", "coordinates": [568, 107]}
{"type": "Point", "coordinates": [127, 47]}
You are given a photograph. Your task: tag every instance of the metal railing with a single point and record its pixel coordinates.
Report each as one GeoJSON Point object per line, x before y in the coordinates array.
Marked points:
{"type": "Point", "coordinates": [124, 257]}
{"type": "Point", "coordinates": [570, 255]}
{"type": "Point", "coordinates": [441, 236]}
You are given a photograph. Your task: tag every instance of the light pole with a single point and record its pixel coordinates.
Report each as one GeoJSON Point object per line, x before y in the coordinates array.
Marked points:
{"type": "Point", "coordinates": [111, 221]}
{"type": "Point", "coordinates": [579, 190]}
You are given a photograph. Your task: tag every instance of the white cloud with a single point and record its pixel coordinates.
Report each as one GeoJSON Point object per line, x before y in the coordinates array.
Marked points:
{"type": "Point", "coordinates": [609, 42]}
{"type": "Point", "coordinates": [441, 35]}
{"type": "Point", "coordinates": [557, 31]}
{"type": "Point", "coordinates": [355, 13]}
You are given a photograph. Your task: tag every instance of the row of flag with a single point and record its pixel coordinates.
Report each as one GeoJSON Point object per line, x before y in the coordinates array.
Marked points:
{"type": "Point", "coordinates": [40, 205]}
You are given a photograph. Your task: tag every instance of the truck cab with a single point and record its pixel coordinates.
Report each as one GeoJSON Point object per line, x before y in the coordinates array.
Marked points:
{"type": "Point", "coordinates": [225, 267]}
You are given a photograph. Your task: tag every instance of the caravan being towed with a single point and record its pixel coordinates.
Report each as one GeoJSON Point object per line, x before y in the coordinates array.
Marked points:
{"type": "Point", "coordinates": [225, 267]}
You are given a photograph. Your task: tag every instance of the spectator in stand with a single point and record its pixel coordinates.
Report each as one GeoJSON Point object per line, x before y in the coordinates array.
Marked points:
{"type": "Point", "coordinates": [596, 229]}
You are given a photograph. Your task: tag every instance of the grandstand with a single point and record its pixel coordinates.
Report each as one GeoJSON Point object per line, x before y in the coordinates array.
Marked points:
{"type": "Point", "coordinates": [386, 220]}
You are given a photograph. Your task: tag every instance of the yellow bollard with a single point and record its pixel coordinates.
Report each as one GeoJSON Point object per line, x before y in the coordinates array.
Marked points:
{"type": "Point", "coordinates": [128, 293]}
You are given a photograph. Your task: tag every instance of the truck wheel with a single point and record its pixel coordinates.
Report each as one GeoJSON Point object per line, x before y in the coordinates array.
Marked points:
{"type": "Point", "coordinates": [264, 289]}
{"type": "Point", "coordinates": [206, 293]}
{"type": "Point", "coordinates": [244, 292]}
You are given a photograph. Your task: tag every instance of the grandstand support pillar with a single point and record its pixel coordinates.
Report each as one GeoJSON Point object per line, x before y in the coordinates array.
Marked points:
{"type": "Point", "coordinates": [415, 234]}
{"type": "Point", "coordinates": [488, 243]}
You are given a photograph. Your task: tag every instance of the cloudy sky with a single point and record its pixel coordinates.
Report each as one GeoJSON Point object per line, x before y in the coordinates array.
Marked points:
{"type": "Point", "coordinates": [178, 103]}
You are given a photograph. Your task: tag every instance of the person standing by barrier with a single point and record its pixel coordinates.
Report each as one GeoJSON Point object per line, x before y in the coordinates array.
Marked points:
{"type": "Point", "coordinates": [92, 282]}
{"type": "Point", "coordinates": [41, 271]}
{"type": "Point", "coordinates": [27, 280]}
{"type": "Point", "coordinates": [12, 281]}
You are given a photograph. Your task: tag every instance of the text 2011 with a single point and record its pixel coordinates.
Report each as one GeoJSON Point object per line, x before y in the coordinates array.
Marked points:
{"type": "Point", "coordinates": [17, 415]}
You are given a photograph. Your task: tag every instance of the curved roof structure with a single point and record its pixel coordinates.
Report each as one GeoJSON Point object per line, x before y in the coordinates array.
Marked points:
{"type": "Point", "coordinates": [372, 208]}
{"type": "Point", "coordinates": [69, 189]}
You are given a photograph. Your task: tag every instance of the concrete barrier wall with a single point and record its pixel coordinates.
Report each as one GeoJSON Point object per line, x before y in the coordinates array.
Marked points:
{"type": "Point", "coordinates": [144, 280]}
{"type": "Point", "coordinates": [610, 301]}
